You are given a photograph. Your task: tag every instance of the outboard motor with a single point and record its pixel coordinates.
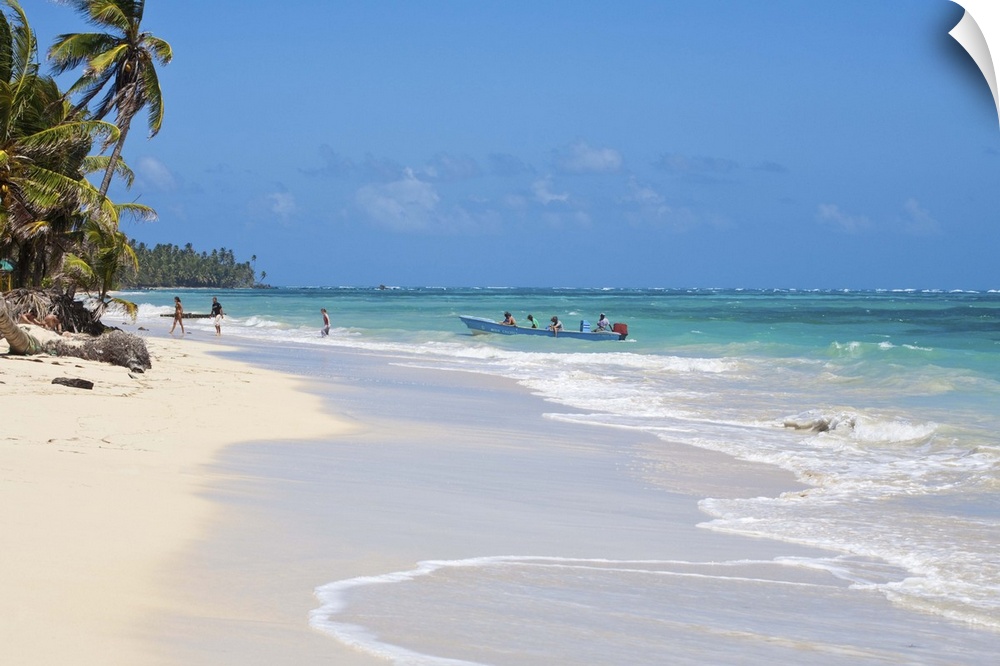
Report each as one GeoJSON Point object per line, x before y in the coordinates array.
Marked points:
{"type": "Point", "coordinates": [621, 329]}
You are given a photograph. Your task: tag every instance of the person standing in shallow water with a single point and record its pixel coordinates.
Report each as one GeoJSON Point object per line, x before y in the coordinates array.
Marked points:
{"type": "Point", "coordinates": [178, 315]}
{"type": "Point", "coordinates": [325, 331]}
{"type": "Point", "coordinates": [217, 315]}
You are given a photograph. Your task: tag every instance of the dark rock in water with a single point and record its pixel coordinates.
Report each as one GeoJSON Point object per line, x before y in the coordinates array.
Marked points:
{"type": "Point", "coordinates": [74, 382]}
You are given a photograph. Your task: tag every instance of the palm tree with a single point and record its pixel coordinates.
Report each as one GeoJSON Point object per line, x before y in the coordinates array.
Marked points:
{"type": "Point", "coordinates": [43, 191]}
{"type": "Point", "coordinates": [104, 255]}
{"type": "Point", "coordinates": [123, 57]}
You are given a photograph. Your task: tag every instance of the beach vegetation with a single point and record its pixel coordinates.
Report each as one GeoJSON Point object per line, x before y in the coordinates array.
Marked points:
{"type": "Point", "coordinates": [44, 195]}
{"type": "Point", "coordinates": [58, 232]}
{"type": "Point", "coordinates": [105, 258]}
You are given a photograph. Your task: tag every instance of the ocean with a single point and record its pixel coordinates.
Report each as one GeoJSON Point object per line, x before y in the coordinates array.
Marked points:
{"type": "Point", "coordinates": [883, 404]}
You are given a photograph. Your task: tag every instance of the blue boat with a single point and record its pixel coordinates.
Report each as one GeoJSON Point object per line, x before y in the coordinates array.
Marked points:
{"type": "Point", "coordinates": [480, 325]}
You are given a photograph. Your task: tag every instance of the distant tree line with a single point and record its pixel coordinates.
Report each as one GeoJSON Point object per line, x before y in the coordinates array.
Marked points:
{"type": "Point", "coordinates": [172, 266]}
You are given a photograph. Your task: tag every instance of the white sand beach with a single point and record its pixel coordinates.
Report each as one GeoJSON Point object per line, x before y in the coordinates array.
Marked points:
{"type": "Point", "coordinates": [100, 489]}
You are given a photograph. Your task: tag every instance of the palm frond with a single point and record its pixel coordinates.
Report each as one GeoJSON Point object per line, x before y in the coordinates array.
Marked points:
{"type": "Point", "coordinates": [139, 212]}
{"type": "Point", "coordinates": [112, 13]}
{"type": "Point", "coordinates": [74, 49]}
{"type": "Point", "coordinates": [160, 49]}
{"type": "Point", "coordinates": [5, 54]}
{"type": "Point", "coordinates": [109, 58]}
{"type": "Point", "coordinates": [57, 137]}
{"type": "Point", "coordinates": [154, 99]}
{"type": "Point", "coordinates": [99, 163]}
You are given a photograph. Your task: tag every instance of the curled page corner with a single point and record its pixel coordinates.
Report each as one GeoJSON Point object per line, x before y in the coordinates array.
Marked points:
{"type": "Point", "coordinates": [979, 33]}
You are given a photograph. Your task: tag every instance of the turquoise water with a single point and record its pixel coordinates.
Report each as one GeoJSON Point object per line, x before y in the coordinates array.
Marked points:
{"type": "Point", "coordinates": [883, 403]}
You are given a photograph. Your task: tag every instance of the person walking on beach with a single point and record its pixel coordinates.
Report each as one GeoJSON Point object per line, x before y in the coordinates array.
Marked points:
{"type": "Point", "coordinates": [325, 331]}
{"type": "Point", "coordinates": [178, 315]}
{"type": "Point", "coordinates": [217, 315]}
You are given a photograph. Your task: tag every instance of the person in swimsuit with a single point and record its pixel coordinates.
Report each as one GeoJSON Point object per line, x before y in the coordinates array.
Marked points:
{"type": "Point", "coordinates": [326, 323]}
{"type": "Point", "coordinates": [508, 319]}
{"type": "Point", "coordinates": [178, 315]}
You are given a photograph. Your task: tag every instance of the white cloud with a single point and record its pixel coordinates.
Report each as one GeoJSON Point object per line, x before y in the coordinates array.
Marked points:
{"type": "Point", "coordinates": [542, 189]}
{"type": "Point", "coordinates": [832, 214]}
{"type": "Point", "coordinates": [445, 167]}
{"type": "Point", "coordinates": [282, 203]}
{"type": "Point", "coordinates": [407, 204]}
{"type": "Point", "coordinates": [413, 205]}
{"type": "Point", "coordinates": [692, 164]}
{"type": "Point", "coordinates": [156, 173]}
{"type": "Point", "coordinates": [644, 195]}
{"type": "Point", "coordinates": [644, 206]}
{"type": "Point", "coordinates": [582, 158]}
{"type": "Point", "coordinates": [918, 220]}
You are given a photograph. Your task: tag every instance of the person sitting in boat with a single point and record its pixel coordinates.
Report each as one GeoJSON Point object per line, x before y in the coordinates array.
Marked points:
{"type": "Point", "coordinates": [508, 319]}
{"type": "Point", "coordinates": [555, 326]}
{"type": "Point", "coordinates": [603, 324]}
{"type": "Point", "coordinates": [534, 322]}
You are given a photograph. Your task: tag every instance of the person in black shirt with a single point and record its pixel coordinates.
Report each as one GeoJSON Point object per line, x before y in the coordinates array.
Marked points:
{"type": "Point", "coordinates": [217, 315]}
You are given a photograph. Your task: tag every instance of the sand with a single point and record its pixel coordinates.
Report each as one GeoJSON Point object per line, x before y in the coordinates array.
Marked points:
{"type": "Point", "coordinates": [101, 489]}
{"type": "Point", "coordinates": [187, 514]}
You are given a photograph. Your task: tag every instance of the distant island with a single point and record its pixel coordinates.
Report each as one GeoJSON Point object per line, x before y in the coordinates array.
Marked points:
{"type": "Point", "coordinates": [172, 266]}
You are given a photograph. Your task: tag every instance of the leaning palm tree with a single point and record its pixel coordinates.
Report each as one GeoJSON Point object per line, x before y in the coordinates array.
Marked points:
{"type": "Point", "coordinates": [123, 57]}
{"type": "Point", "coordinates": [20, 342]}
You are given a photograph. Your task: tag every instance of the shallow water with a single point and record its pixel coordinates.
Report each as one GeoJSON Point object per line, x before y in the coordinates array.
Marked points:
{"type": "Point", "coordinates": [883, 404]}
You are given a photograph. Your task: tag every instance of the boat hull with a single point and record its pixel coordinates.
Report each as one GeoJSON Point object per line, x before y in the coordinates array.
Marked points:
{"type": "Point", "coordinates": [480, 325]}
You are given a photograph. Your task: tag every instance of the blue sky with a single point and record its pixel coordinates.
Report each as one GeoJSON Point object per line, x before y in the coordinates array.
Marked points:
{"type": "Point", "coordinates": [704, 143]}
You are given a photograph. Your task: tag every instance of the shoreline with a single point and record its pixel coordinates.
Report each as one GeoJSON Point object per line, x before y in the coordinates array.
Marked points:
{"type": "Point", "coordinates": [194, 511]}
{"type": "Point", "coordinates": [99, 489]}
{"type": "Point", "coordinates": [447, 465]}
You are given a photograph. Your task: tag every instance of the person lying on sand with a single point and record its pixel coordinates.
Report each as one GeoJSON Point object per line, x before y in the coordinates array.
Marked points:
{"type": "Point", "coordinates": [49, 321]}
{"type": "Point", "coordinates": [29, 318]}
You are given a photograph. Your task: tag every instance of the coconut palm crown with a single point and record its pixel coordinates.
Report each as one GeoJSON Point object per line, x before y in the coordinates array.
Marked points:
{"type": "Point", "coordinates": [121, 62]}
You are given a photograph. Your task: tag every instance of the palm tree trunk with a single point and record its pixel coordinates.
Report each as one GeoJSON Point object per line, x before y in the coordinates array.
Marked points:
{"type": "Point", "coordinates": [115, 154]}
{"type": "Point", "coordinates": [20, 342]}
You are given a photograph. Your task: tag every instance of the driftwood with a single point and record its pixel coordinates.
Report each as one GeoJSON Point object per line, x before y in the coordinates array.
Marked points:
{"type": "Point", "coordinates": [113, 346]}
{"type": "Point", "coordinates": [20, 342]}
{"type": "Point", "coordinates": [74, 382]}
